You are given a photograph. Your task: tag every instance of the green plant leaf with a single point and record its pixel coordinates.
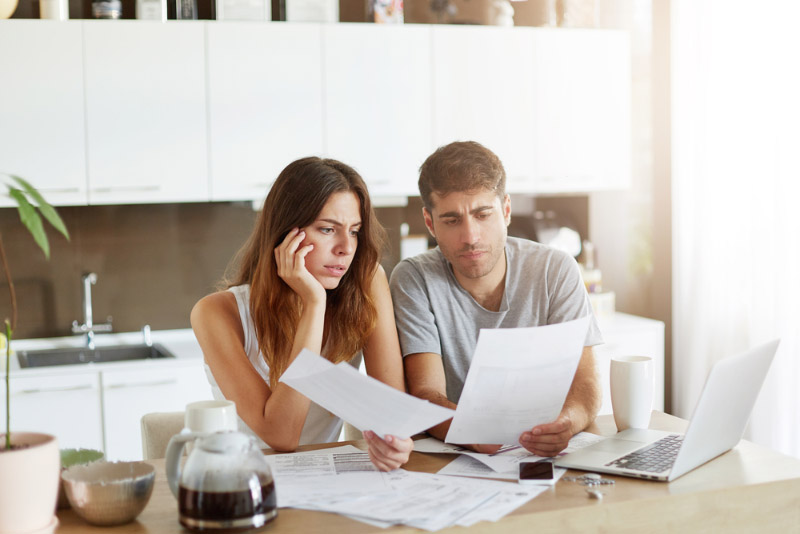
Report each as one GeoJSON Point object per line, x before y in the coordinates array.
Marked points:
{"type": "Point", "coordinates": [31, 219]}
{"type": "Point", "coordinates": [47, 210]}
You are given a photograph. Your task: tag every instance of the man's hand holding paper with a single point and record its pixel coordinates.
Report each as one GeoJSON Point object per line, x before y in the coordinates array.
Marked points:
{"type": "Point", "coordinates": [516, 387]}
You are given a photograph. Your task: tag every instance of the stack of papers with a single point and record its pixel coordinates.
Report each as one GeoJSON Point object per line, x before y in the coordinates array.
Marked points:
{"type": "Point", "coordinates": [342, 480]}
{"type": "Point", "coordinates": [503, 464]}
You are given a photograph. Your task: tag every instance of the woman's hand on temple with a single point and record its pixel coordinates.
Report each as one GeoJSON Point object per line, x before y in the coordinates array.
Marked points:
{"type": "Point", "coordinates": [290, 258]}
{"type": "Point", "coordinates": [390, 453]}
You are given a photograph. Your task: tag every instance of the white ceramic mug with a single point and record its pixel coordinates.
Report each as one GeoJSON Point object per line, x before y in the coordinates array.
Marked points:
{"type": "Point", "coordinates": [210, 416]}
{"type": "Point", "coordinates": [632, 384]}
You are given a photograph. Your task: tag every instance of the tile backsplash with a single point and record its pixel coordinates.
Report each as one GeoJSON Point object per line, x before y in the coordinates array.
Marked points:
{"type": "Point", "coordinates": [153, 262]}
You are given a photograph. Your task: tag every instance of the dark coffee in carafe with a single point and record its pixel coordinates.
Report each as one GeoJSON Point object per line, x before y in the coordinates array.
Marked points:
{"type": "Point", "coordinates": [208, 510]}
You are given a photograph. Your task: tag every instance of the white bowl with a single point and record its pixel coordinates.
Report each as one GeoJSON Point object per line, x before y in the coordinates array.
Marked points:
{"type": "Point", "coordinates": [109, 493]}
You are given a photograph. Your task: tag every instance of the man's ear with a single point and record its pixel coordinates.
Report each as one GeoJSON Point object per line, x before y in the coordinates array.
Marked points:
{"type": "Point", "coordinates": [507, 209]}
{"type": "Point", "coordinates": [428, 221]}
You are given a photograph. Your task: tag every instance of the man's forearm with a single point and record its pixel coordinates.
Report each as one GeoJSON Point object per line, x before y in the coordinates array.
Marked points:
{"type": "Point", "coordinates": [582, 404]}
{"type": "Point", "coordinates": [439, 431]}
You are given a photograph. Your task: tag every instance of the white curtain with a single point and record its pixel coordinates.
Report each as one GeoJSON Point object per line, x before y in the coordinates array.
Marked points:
{"type": "Point", "coordinates": [736, 200]}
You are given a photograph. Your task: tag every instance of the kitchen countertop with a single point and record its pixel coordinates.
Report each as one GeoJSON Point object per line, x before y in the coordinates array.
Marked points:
{"type": "Point", "coordinates": [180, 342]}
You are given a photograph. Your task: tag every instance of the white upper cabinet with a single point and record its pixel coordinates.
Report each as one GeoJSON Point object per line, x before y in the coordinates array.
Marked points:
{"type": "Point", "coordinates": [378, 102]}
{"type": "Point", "coordinates": [265, 103]}
{"type": "Point", "coordinates": [483, 90]}
{"type": "Point", "coordinates": [42, 137]}
{"type": "Point", "coordinates": [118, 112]}
{"type": "Point", "coordinates": [583, 110]}
{"type": "Point", "coordinates": [146, 111]}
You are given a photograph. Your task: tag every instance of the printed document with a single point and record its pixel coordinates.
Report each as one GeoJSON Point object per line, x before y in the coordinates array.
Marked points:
{"type": "Point", "coordinates": [518, 378]}
{"type": "Point", "coordinates": [362, 401]}
{"type": "Point", "coordinates": [503, 464]}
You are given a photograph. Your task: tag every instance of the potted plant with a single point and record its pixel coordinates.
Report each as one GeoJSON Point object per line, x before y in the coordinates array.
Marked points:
{"type": "Point", "coordinates": [29, 462]}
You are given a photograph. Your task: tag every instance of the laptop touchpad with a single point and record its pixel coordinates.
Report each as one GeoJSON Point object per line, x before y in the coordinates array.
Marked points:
{"type": "Point", "coordinates": [616, 446]}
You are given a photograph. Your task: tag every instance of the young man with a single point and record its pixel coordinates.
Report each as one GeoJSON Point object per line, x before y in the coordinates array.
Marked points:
{"type": "Point", "coordinates": [478, 277]}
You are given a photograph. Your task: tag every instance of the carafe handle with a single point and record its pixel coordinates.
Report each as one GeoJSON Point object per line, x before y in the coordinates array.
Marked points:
{"type": "Point", "coordinates": [173, 460]}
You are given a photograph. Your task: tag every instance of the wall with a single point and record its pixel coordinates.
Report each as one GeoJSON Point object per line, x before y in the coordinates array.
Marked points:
{"type": "Point", "coordinates": [633, 229]}
{"type": "Point", "coordinates": [153, 263]}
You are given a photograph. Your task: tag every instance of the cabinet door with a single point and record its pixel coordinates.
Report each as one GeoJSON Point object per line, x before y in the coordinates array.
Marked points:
{"type": "Point", "coordinates": [130, 393]}
{"type": "Point", "coordinates": [42, 135]}
{"type": "Point", "coordinates": [378, 102]}
{"type": "Point", "coordinates": [265, 103]}
{"type": "Point", "coordinates": [146, 111]}
{"type": "Point", "coordinates": [629, 335]}
{"type": "Point", "coordinates": [67, 406]}
{"type": "Point", "coordinates": [583, 103]}
{"type": "Point", "coordinates": [483, 90]}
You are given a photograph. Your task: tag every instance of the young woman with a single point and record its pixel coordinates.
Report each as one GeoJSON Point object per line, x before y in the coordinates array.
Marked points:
{"type": "Point", "coordinates": [308, 277]}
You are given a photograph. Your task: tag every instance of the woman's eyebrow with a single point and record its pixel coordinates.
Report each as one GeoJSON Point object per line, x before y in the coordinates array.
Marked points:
{"type": "Point", "coordinates": [338, 223]}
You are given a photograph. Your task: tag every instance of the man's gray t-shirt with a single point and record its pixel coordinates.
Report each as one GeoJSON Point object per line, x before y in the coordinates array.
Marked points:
{"type": "Point", "coordinates": [435, 314]}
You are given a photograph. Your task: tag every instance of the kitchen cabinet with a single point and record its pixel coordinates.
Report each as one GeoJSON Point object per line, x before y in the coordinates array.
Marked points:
{"type": "Point", "coordinates": [117, 112]}
{"type": "Point", "coordinates": [378, 103]}
{"type": "Point", "coordinates": [582, 110]}
{"type": "Point", "coordinates": [100, 405]}
{"type": "Point", "coordinates": [145, 111]}
{"type": "Point", "coordinates": [629, 335]}
{"type": "Point", "coordinates": [129, 394]}
{"type": "Point", "coordinates": [264, 103]}
{"type": "Point", "coordinates": [42, 136]}
{"type": "Point", "coordinates": [483, 90]}
{"type": "Point", "coordinates": [67, 406]}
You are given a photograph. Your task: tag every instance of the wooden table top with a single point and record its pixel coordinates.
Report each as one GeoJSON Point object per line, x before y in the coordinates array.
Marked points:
{"type": "Point", "coordinates": [749, 487]}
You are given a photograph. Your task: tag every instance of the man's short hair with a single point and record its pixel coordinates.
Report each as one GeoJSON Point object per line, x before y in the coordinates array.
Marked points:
{"type": "Point", "coordinates": [463, 166]}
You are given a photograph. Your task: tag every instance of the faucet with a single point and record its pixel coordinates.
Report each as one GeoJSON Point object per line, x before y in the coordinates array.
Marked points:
{"type": "Point", "coordinates": [88, 327]}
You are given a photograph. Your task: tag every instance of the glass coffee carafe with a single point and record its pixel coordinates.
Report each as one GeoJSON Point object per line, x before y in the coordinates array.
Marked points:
{"type": "Point", "coordinates": [226, 482]}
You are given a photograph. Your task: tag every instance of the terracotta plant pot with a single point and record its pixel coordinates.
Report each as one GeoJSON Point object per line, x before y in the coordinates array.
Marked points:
{"type": "Point", "coordinates": [29, 482]}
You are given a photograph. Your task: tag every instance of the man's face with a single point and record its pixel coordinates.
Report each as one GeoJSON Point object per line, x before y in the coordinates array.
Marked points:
{"type": "Point", "coordinates": [470, 228]}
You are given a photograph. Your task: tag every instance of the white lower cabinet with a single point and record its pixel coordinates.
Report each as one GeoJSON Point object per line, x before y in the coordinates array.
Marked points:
{"type": "Point", "coordinates": [129, 394]}
{"type": "Point", "coordinates": [66, 405]}
{"type": "Point", "coordinates": [629, 335]}
{"type": "Point", "coordinates": [102, 408]}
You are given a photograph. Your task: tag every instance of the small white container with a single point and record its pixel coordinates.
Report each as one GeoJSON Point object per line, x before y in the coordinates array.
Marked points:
{"type": "Point", "coordinates": [151, 10]}
{"type": "Point", "coordinates": [312, 10]}
{"type": "Point", "coordinates": [54, 9]}
{"type": "Point", "coordinates": [243, 10]}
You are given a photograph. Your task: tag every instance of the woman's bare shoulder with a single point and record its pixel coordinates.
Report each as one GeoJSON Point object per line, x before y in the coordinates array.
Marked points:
{"type": "Point", "coordinates": [216, 306]}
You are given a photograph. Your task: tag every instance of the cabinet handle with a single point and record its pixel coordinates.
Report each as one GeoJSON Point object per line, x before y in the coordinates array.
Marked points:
{"type": "Point", "coordinates": [126, 188]}
{"type": "Point", "coordinates": [143, 384]}
{"type": "Point", "coordinates": [59, 190]}
{"type": "Point", "coordinates": [54, 390]}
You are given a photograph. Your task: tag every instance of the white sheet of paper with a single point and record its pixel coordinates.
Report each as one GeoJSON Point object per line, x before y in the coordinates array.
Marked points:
{"type": "Point", "coordinates": [423, 500]}
{"type": "Point", "coordinates": [502, 504]}
{"type": "Point", "coordinates": [465, 466]}
{"type": "Point", "coordinates": [324, 475]}
{"type": "Point", "coordinates": [518, 378]}
{"type": "Point", "coordinates": [362, 401]}
{"type": "Point", "coordinates": [502, 462]}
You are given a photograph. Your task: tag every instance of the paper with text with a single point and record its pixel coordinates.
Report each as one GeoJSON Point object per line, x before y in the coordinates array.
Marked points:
{"type": "Point", "coordinates": [518, 378]}
{"type": "Point", "coordinates": [498, 465]}
{"type": "Point", "coordinates": [362, 401]}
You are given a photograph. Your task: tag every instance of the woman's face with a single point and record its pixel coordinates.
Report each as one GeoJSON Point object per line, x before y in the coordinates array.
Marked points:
{"type": "Point", "coordinates": [334, 235]}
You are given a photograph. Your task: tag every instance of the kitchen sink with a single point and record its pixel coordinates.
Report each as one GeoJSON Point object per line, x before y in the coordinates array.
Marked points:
{"type": "Point", "coordinates": [79, 355]}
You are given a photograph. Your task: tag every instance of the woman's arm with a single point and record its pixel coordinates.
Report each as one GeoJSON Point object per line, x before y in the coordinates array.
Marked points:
{"type": "Point", "coordinates": [383, 361]}
{"type": "Point", "coordinates": [278, 416]}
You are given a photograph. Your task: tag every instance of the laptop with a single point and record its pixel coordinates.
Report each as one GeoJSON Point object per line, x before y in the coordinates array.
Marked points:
{"type": "Point", "coordinates": [716, 426]}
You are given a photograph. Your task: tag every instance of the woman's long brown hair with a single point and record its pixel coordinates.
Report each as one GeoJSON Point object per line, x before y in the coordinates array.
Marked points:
{"type": "Point", "coordinates": [295, 201]}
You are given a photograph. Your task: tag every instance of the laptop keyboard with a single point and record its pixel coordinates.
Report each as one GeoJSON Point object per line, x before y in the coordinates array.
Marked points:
{"type": "Point", "coordinates": [654, 458]}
